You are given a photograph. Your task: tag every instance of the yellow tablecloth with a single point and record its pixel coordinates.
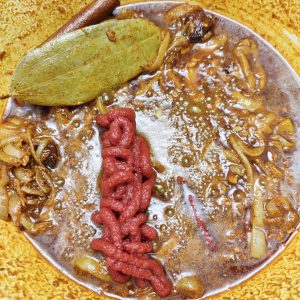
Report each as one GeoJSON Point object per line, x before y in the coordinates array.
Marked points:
{"type": "Point", "coordinates": [24, 274]}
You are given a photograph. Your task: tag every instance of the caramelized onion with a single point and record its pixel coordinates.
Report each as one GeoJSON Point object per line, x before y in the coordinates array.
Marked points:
{"type": "Point", "coordinates": [251, 104]}
{"type": "Point", "coordinates": [256, 77]}
{"type": "Point", "coordinates": [16, 121]}
{"type": "Point", "coordinates": [31, 147]}
{"type": "Point", "coordinates": [13, 151]}
{"type": "Point", "coordinates": [15, 207]}
{"type": "Point", "coordinates": [29, 185]}
{"type": "Point", "coordinates": [5, 132]}
{"type": "Point", "coordinates": [179, 11]}
{"type": "Point", "coordinates": [34, 228]}
{"type": "Point", "coordinates": [285, 126]}
{"type": "Point", "coordinates": [41, 181]}
{"type": "Point", "coordinates": [23, 175]}
{"type": "Point", "coordinates": [52, 194]}
{"type": "Point", "coordinates": [263, 121]}
{"type": "Point", "coordinates": [9, 159]}
{"type": "Point", "coordinates": [92, 267]}
{"type": "Point", "coordinates": [258, 244]}
{"type": "Point", "coordinates": [102, 109]}
{"type": "Point", "coordinates": [237, 169]}
{"type": "Point", "coordinates": [231, 156]}
{"type": "Point", "coordinates": [252, 152]}
{"type": "Point", "coordinates": [243, 158]}
{"type": "Point", "coordinates": [31, 191]}
{"type": "Point", "coordinates": [281, 143]}
{"type": "Point", "coordinates": [43, 144]}
{"type": "Point", "coordinates": [11, 139]}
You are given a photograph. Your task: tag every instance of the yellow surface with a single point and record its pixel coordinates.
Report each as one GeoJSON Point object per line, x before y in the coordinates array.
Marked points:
{"type": "Point", "coordinates": [26, 23]}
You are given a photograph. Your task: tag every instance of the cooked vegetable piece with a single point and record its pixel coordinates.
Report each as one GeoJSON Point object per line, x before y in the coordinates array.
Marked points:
{"type": "Point", "coordinates": [253, 151]}
{"type": "Point", "coordinates": [258, 243]}
{"type": "Point", "coordinates": [253, 72]}
{"type": "Point", "coordinates": [236, 145]}
{"type": "Point", "coordinates": [251, 104]}
{"type": "Point", "coordinates": [15, 207]}
{"type": "Point", "coordinates": [264, 121]}
{"type": "Point", "coordinates": [92, 267]}
{"type": "Point", "coordinates": [190, 287]}
{"type": "Point", "coordinates": [25, 181]}
{"type": "Point", "coordinates": [285, 126]}
{"type": "Point", "coordinates": [34, 228]}
{"type": "Point", "coordinates": [282, 143]}
{"type": "Point", "coordinates": [50, 75]}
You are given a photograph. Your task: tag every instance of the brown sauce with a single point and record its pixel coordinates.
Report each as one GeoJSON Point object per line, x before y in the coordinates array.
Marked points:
{"type": "Point", "coordinates": [188, 110]}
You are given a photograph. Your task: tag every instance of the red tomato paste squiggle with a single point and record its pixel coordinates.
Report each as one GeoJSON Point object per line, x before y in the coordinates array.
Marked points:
{"type": "Point", "coordinates": [126, 185]}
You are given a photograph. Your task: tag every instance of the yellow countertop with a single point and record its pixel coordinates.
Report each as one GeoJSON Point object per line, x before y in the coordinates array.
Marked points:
{"type": "Point", "coordinates": [24, 274]}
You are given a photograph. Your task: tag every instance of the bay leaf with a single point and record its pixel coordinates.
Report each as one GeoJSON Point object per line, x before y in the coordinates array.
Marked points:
{"type": "Point", "coordinates": [77, 67]}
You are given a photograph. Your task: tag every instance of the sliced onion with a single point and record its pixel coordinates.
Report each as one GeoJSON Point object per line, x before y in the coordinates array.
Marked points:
{"type": "Point", "coordinates": [45, 215]}
{"type": "Point", "coordinates": [5, 132]}
{"type": "Point", "coordinates": [252, 71]}
{"type": "Point", "coordinates": [231, 156]}
{"type": "Point", "coordinates": [274, 171]}
{"type": "Point", "coordinates": [178, 42]}
{"type": "Point", "coordinates": [286, 126]}
{"type": "Point", "coordinates": [34, 228]}
{"type": "Point", "coordinates": [51, 197]}
{"type": "Point", "coordinates": [17, 187]}
{"type": "Point", "coordinates": [23, 175]}
{"type": "Point", "coordinates": [9, 159]}
{"type": "Point", "coordinates": [247, 103]}
{"type": "Point", "coordinates": [29, 138]}
{"type": "Point", "coordinates": [258, 243]}
{"type": "Point", "coordinates": [42, 145]}
{"type": "Point", "coordinates": [31, 191]}
{"type": "Point", "coordinates": [216, 42]}
{"type": "Point", "coordinates": [3, 204]}
{"type": "Point", "coordinates": [102, 109]}
{"type": "Point", "coordinates": [281, 143]}
{"type": "Point", "coordinates": [26, 185]}
{"type": "Point", "coordinates": [9, 126]}
{"type": "Point", "coordinates": [237, 169]}
{"type": "Point", "coordinates": [92, 267]}
{"type": "Point", "coordinates": [145, 86]}
{"type": "Point", "coordinates": [283, 203]}
{"type": "Point", "coordinates": [16, 121]}
{"type": "Point", "coordinates": [243, 158]}
{"type": "Point", "coordinates": [263, 121]}
{"type": "Point", "coordinates": [261, 164]}
{"type": "Point", "coordinates": [40, 180]}
{"type": "Point", "coordinates": [10, 140]}
{"type": "Point", "coordinates": [15, 208]}
{"type": "Point", "coordinates": [258, 246]}
{"type": "Point", "coordinates": [273, 209]}
{"type": "Point", "coordinates": [13, 151]}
